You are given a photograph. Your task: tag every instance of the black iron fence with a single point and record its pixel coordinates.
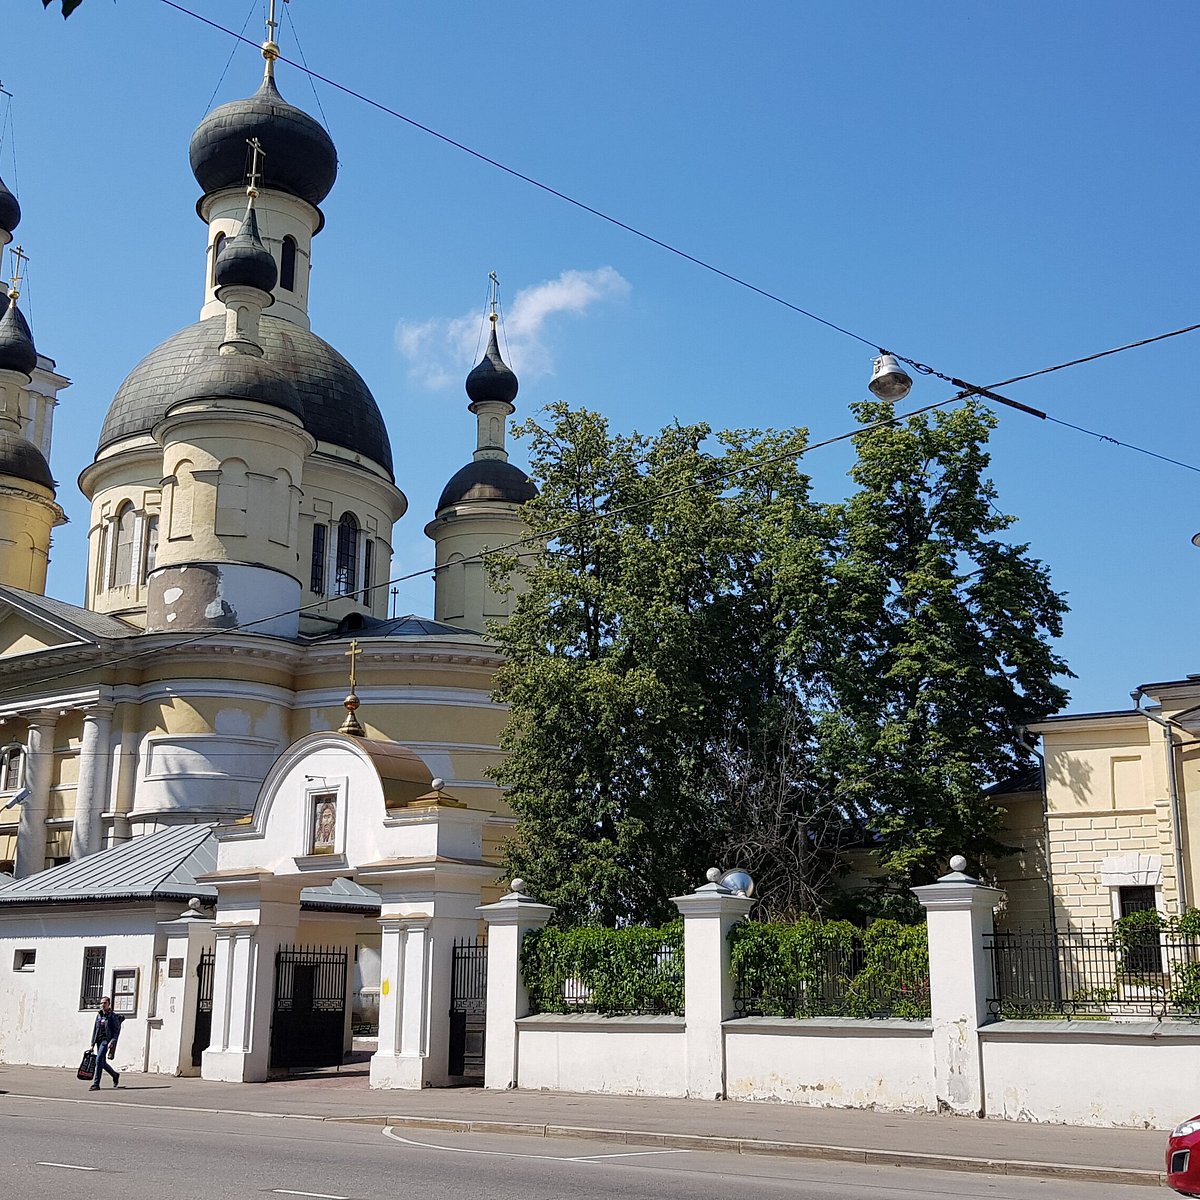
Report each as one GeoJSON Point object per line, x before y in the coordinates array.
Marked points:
{"type": "Point", "coordinates": [829, 973]}
{"type": "Point", "coordinates": [1095, 974]}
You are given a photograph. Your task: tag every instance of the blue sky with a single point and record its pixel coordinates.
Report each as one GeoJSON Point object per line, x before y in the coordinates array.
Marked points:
{"type": "Point", "coordinates": [989, 189]}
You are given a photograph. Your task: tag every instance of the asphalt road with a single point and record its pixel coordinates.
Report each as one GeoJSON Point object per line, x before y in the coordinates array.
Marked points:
{"type": "Point", "coordinates": [103, 1149]}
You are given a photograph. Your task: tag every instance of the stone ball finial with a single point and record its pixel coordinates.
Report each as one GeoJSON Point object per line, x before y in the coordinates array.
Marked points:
{"type": "Point", "coordinates": [194, 904]}
{"type": "Point", "coordinates": [713, 874]}
{"type": "Point", "coordinates": [438, 784]}
{"type": "Point", "coordinates": [958, 863]}
{"type": "Point", "coordinates": [517, 885]}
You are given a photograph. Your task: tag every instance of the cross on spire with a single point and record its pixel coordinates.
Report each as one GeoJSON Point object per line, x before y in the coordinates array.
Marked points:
{"type": "Point", "coordinates": [257, 154]}
{"type": "Point", "coordinates": [270, 48]}
{"type": "Point", "coordinates": [495, 296]}
{"type": "Point", "coordinates": [20, 258]}
{"type": "Point", "coordinates": [352, 654]}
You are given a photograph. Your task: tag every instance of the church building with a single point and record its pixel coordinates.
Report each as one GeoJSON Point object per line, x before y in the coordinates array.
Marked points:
{"type": "Point", "coordinates": [243, 497]}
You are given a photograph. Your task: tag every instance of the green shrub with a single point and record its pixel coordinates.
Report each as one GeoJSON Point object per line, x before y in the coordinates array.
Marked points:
{"type": "Point", "coordinates": [632, 970]}
{"type": "Point", "coordinates": [811, 968]}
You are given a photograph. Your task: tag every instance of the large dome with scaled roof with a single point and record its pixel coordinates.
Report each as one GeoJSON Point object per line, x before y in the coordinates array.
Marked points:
{"type": "Point", "coordinates": [338, 405]}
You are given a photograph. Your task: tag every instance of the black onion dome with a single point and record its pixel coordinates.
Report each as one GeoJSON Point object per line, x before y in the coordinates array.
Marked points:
{"type": "Point", "coordinates": [20, 459]}
{"type": "Point", "coordinates": [10, 210]}
{"type": "Point", "coordinates": [17, 351]}
{"type": "Point", "coordinates": [492, 379]}
{"type": "Point", "coordinates": [298, 155]}
{"type": "Point", "coordinates": [239, 377]}
{"type": "Point", "coordinates": [488, 479]}
{"type": "Point", "coordinates": [244, 261]}
{"type": "Point", "coordinates": [338, 405]}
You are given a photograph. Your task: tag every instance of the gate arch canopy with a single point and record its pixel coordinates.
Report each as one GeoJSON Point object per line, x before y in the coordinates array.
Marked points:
{"type": "Point", "coordinates": [339, 807]}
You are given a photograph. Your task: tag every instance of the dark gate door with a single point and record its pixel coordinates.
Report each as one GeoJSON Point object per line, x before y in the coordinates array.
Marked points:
{"type": "Point", "coordinates": [309, 1022]}
{"type": "Point", "coordinates": [204, 1005]}
{"type": "Point", "coordinates": [468, 1008]}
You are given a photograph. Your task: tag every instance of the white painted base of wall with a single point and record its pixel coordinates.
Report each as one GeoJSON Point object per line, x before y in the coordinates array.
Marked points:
{"type": "Point", "coordinates": [1138, 1074]}
{"type": "Point", "coordinates": [585, 1052]}
{"type": "Point", "coordinates": [831, 1063]}
{"type": "Point", "coordinates": [397, 1071]}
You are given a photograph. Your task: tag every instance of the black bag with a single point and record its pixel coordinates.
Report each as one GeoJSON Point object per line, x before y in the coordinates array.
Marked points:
{"type": "Point", "coordinates": [87, 1068]}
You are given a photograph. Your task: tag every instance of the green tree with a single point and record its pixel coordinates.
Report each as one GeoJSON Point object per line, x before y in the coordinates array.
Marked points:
{"type": "Point", "coordinates": [68, 6]}
{"type": "Point", "coordinates": [946, 632]}
{"type": "Point", "coordinates": [647, 643]}
{"type": "Point", "coordinates": [708, 668]}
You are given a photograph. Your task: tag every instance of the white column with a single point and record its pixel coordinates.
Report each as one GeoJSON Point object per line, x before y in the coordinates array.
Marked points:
{"type": "Point", "coordinates": [400, 1060]}
{"type": "Point", "coordinates": [958, 912]}
{"type": "Point", "coordinates": [87, 836]}
{"type": "Point", "coordinates": [709, 913]}
{"type": "Point", "coordinates": [508, 921]}
{"type": "Point", "coordinates": [248, 934]}
{"type": "Point", "coordinates": [39, 769]}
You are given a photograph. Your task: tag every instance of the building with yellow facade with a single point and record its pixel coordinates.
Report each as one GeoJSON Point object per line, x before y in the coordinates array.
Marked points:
{"type": "Point", "coordinates": [243, 500]}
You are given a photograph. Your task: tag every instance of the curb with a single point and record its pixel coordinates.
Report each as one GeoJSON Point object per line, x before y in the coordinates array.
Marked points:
{"type": "Point", "coordinates": [1075, 1172]}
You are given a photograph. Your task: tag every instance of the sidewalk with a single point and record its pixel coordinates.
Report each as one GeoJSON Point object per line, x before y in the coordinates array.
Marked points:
{"type": "Point", "coordinates": [903, 1139]}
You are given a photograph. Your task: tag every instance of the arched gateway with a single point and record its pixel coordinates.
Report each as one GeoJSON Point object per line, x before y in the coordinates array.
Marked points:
{"type": "Point", "coordinates": [342, 807]}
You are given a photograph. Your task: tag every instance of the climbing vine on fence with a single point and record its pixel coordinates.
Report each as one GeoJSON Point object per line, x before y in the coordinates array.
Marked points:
{"type": "Point", "coordinates": [811, 968]}
{"type": "Point", "coordinates": [632, 970]}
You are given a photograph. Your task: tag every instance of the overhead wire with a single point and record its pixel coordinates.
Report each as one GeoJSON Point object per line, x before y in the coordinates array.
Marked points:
{"type": "Point", "coordinates": [965, 389]}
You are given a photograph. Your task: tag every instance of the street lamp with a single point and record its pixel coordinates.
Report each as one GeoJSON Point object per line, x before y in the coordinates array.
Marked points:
{"type": "Point", "coordinates": [889, 380]}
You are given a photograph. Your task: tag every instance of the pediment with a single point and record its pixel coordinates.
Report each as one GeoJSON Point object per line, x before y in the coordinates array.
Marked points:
{"type": "Point", "coordinates": [32, 625]}
{"type": "Point", "coordinates": [22, 634]}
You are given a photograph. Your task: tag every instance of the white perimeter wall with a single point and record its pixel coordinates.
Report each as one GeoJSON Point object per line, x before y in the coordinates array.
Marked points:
{"type": "Point", "coordinates": [831, 1062]}
{"type": "Point", "coordinates": [42, 1023]}
{"type": "Point", "coordinates": [1144, 1074]}
{"type": "Point", "coordinates": [585, 1052]}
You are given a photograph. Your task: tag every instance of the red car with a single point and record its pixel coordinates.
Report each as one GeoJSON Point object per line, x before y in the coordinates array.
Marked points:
{"type": "Point", "coordinates": [1183, 1174]}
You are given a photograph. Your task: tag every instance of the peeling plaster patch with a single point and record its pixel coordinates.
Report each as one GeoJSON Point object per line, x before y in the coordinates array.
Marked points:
{"type": "Point", "coordinates": [171, 616]}
{"type": "Point", "coordinates": [171, 595]}
{"type": "Point", "coordinates": [216, 608]}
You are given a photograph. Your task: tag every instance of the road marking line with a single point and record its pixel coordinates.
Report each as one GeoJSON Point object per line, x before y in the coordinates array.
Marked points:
{"type": "Point", "coordinates": [626, 1154]}
{"type": "Point", "coordinates": [67, 1166]}
{"type": "Point", "coordinates": [559, 1158]}
{"type": "Point", "coordinates": [318, 1195]}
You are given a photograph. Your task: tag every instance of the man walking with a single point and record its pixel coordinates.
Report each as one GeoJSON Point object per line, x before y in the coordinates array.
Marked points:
{"type": "Point", "coordinates": [104, 1042]}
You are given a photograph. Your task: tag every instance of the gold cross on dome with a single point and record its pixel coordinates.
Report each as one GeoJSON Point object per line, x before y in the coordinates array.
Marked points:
{"type": "Point", "coordinates": [257, 154]}
{"type": "Point", "coordinates": [495, 294]}
{"type": "Point", "coordinates": [19, 259]}
{"type": "Point", "coordinates": [352, 654]}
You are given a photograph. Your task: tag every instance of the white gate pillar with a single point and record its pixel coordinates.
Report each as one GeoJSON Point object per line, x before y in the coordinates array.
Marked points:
{"type": "Point", "coordinates": [508, 921]}
{"type": "Point", "coordinates": [709, 913]}
{"type": "Point", "coordinates": [958, 912]}
{"type": "Point", "coordinates": [255, 916]}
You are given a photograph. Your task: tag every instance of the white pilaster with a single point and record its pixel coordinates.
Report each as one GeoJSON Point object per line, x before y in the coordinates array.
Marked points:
{"type": "Point", "coordinates": [508, 921]}
{"type": "Point", "coordinates": [709, 913]}
{"type": "Point", "coordinates": [39, 770]}
{"type": "Point", "coordinates": [92, 790]}
{"type": "Point", "coordinates": [958, 913]}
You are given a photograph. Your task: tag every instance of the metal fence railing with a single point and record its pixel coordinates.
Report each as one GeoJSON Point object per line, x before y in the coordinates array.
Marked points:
{"type": "Point", "coordinates": [834, 981]}
{"type": "Point", "coordinates": [1094, 974]}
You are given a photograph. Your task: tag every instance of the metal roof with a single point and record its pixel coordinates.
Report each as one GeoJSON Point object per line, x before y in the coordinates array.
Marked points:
{"type": "Point", "coordinates": [363, 625]}
{"type": "Point", "coordinates": [159, 866]}
{"type": "Point", "coordinates": [89, 623]}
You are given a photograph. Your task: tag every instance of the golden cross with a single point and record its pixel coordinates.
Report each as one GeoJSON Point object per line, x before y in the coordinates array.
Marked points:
{"type": "Point", "coordinates": [495, 294]}
{"type": "Point", "coordinates": [352, 654]}
{"type": "Point", "coordinates": [20, 258]}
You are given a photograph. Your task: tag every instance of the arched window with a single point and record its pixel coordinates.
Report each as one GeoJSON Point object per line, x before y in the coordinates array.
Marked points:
{"type": "Point", "coordinates": [12, 768]}
{"type": "Point", "coordinates": [347, 555]}
{"type": "Point", "coordinates": [149, 547]}
{"type": "Point", "coordinates": [218, 242]}
{"type": "Point", "coordinates": [287, 265]}
{"type": "Point", "coordinates": [368, 571]}
{"type": "Point", "coordinates": [317, 577]}
{"type": "Point", "coordinates": [120, 572]}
